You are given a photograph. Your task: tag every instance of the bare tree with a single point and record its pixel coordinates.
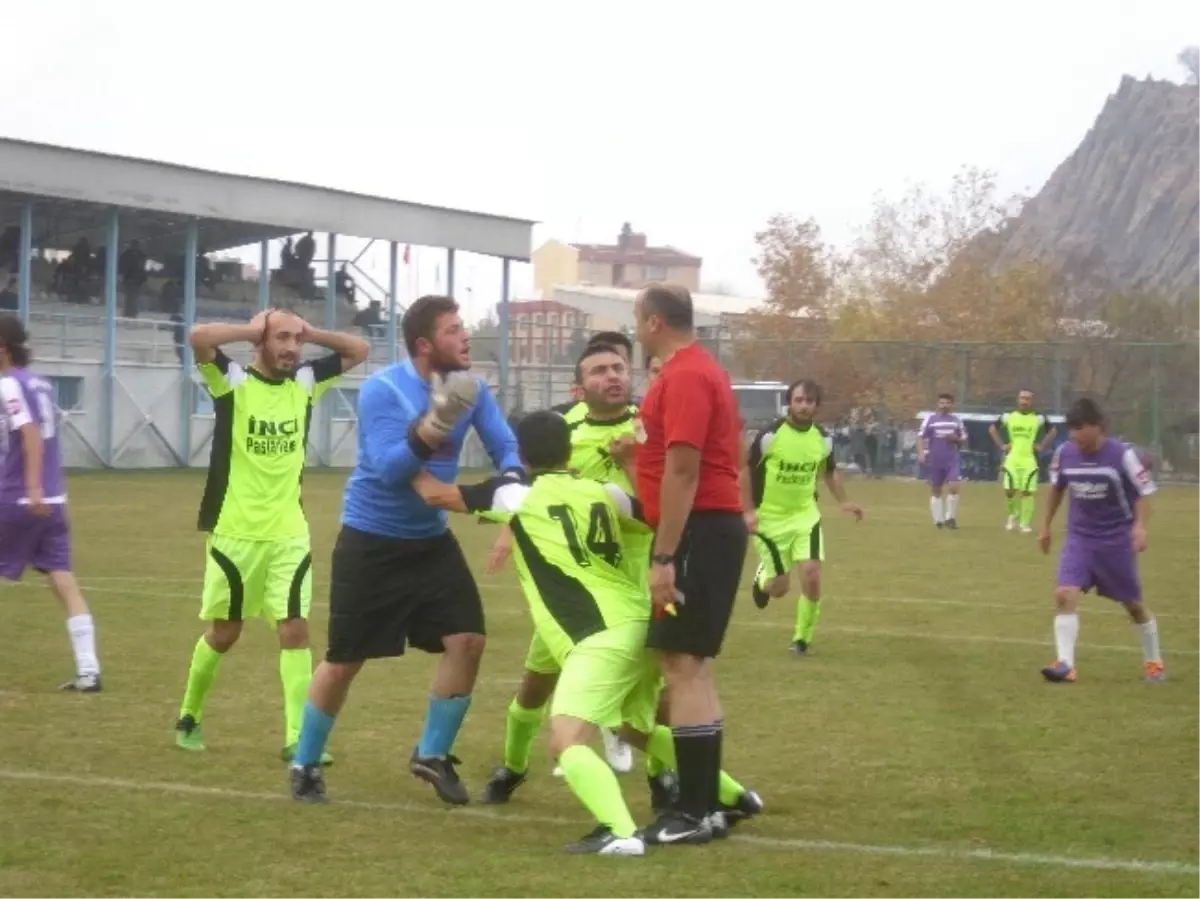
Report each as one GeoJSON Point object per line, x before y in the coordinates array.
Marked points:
{"type": "Point", "coordinates": [1189, 58]}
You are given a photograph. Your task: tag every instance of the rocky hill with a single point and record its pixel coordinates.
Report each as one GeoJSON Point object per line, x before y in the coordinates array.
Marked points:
{"type": "Point", "coordinates": [1123, 210]}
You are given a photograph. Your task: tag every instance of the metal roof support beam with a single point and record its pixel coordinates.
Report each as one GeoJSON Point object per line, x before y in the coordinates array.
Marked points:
{"type": "Point", "coordinates": [393, 302]}
{"type": "Point", "coordinates": [23, 262]}
{"type": "Point", "coordinates": [330, 325]}
{"type": "Point", "coordinates": [112, 242]}
{"type": "Point", "coordinates": [264, 275]}
{"type": "Point", "coordinates": [505, 283]}
{"type": "Point", "coordinates": [449, 271]}
{"type": "Point", "coordinates": [187, 401]}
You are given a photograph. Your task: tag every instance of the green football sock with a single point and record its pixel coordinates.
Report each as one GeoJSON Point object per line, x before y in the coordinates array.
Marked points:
{"type": "Point", "coordinates": [205, 661]}
{"type": "Point", "coordinates": [807, 613]}
{"type": "Point", "coordinates": [295, 672]}
{"type": "Point", "coordinates": [728, 789]}
{"type": "Point", "coordinates": [594, 783]}
{"type": "Point", "coordinates": [654, 766]}
{"type": "Point", "coordinates": [1027, 504]}
{"type": "Point", "coordinates": [522, 725]}
{"type": "Point", "coordinates": [1014, 505]}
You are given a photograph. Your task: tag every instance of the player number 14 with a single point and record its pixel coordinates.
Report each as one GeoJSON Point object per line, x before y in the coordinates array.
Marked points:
{"type": "Point", "coordinates": [600, 541]}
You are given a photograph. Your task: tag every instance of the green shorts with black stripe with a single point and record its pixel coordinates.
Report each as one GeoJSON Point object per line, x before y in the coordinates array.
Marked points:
{"type": "Point", "coordinates": [1021, 475]}
{"type": "Point", "coordinates": [269, 579]}
{"type": "Point", "coordinates": [781, 544]}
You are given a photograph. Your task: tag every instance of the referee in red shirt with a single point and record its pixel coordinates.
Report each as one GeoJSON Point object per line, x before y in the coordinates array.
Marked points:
{"type": "Point", "coordinates": [689, 444]}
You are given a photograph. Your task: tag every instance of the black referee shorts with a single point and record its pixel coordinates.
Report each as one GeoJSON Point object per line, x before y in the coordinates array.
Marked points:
{"type": "Point", "coordinates": [387, 593]}
{"type": "Point", "coordinates": [708, 571]}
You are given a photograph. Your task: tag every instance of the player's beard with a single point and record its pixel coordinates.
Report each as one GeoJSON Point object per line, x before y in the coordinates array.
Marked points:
{"type": "Point", "coordinates": [273, 366]}
{"type": "Point", "coordinates": [605, 403]}
{"type": "Point", "coordinates": [800, 422]}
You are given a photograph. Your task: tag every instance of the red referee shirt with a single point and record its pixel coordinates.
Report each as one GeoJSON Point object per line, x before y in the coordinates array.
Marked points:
{"type": "Point", "coordinates": [690, 402]}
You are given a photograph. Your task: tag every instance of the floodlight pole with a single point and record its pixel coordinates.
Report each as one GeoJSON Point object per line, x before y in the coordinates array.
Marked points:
{"type": "Point", "coordinates": [187, 405]}
{"type": "Point", "coordinates": [23, 263]}
{"type": "Point", "coordinates": [264, 275]}
{"type": "Point", "coordinates": [505, 279]}
{"type": "Point", "coordinates": [112, 238]}
{"type": "Point", "coordinates": [393, 287]}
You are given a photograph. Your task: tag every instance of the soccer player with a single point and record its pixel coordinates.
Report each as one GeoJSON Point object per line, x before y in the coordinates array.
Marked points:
{"type": "Point", "coordinates": [259, 558]}
{"type": "Point", "coordinates": [604, 377]}
{"type": "Point", "coordinates": [688, 468]}
{"type": "Point", "coordinates": [938, 443]}
{"type": "Point", "coordinates": [399, 577]}
{"type": "Point", "coordinates": [576, 409]}
{"type": "Point", "coordinates": [34, 528]}
{"type": "Point", "coordinates": [779, 493]}
{"type": "Point", "coordinates": [591, 614]}
{"type": "Point", "coordinates": [1016, 433]}
{"type": "Point", "coordinates": [1106, 529]}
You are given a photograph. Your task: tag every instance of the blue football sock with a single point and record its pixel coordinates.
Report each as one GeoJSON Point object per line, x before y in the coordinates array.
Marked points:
{"type": "Point", "coordinates": [314, 732]}
{"type": "Point", "coordinates": [442, 721]}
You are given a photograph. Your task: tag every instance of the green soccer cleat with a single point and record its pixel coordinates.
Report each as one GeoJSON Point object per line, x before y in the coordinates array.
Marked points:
{"type": "Point", "coordinates": [188, 734]}
{"type": "Point", "coordinates": [288, 751]}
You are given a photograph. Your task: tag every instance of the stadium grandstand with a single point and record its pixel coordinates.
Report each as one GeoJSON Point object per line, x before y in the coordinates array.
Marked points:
{"type": "Point", "coordinates": [109, 261]}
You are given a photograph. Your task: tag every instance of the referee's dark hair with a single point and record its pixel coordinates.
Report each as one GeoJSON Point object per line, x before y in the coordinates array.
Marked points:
{"type": "Point", "coordinates": [592, 349]}
{"type": "Point", "coordinates": [612, 339]}
{"type": "Point", "coordinates": [420, 319]}
{"type": "Point", "coordinates": [810, 388]}
{"type": "Point", "coordinates": [544, 439]}
{"type": "Point", "coordinates": [672, 303]}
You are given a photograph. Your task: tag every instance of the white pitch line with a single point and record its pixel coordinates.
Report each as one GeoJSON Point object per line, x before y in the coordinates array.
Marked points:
{"type": "Point", "coordinates": [949, 853]}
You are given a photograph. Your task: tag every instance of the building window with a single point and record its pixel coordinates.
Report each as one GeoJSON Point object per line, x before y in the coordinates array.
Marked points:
{"type": "Point", "coordinates": [537, 318]}
{"type": "Point", "coordinates": [618, 274]}
{"type": "Point", "coordinates": [68, 392]}
{"type": "Point", "coordinates": [654, 272]}
{"type": "Point", "coordinates": [345, 404]}
{"type": "Point", "coordinates": [540, 351]}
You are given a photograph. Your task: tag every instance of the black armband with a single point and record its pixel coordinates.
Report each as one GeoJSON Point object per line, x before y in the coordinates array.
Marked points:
{"type": "Point", "coordinates": [480, 497]}
{"type": "Point", "coordinates": [419, 447]}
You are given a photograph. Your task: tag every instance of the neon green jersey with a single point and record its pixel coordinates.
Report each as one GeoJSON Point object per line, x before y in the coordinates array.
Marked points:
{"type": "Point", "coordinates": [577, 412]}
{"type": "Point", "coordinates": [569, 538]}
{"type": "Point", "coordinates": [259, 442]}
{"type": "Point", "coordinates": [590, 440]}
{"type": "Point", "coordinates": [784, 463]}
{"type": "Point", "coordinates": [1023, 429]}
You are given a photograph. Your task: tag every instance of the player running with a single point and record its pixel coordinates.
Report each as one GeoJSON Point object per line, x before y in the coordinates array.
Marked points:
{"type": "Point", "coordinates": [1016, 433]}
{"type": "Point", "coordinates": [590, 616]}
{"type": "Point", "coordinates": [941, 436]}
{"type": "Point", "coordinates": [1106, 529]}
{"type": "Point", "coordinates": [34, 528]}
{"type": "Point", "coordinates": [259, 560]}
{"type": "Point", "coordinates": [779, 492]}
{"type": "Point", "coordinates": [601, 445]}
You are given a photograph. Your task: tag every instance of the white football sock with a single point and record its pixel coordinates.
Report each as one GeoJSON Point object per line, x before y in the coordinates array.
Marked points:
{"type": "Point", "coordinates": [1149, 634]}
{"type": "Point", "coordinates": [952, 506]}
{"type": "Point", "coordinates": [1066, 632]}
{"type": "Point", "coordinates": [83, 641]}
{"type": "Point", "coordinates": [935, 506]}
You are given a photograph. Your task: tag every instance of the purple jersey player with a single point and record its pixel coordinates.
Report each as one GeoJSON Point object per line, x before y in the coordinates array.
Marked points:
{"type": "Point", "coordinates": [938, 444]}
{"type": "Point", "coordinates": [1106, 529]}
{"type": "Point", "coordinates": [34, 532]}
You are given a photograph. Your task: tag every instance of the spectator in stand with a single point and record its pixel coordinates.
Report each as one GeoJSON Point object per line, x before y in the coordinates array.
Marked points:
{"type": "Point", "coordinates": [132, 269]}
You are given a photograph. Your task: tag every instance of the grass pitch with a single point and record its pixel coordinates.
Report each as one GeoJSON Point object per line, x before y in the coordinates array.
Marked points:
{"type": "Point", "coordinates": [915, 752]}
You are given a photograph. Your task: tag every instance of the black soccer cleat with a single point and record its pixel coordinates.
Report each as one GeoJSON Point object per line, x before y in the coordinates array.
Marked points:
{"type": "Point", "coordinates": [603, 841]}
{"type": "Point", "coordinates": [308, 783]}
{"type": "Point", "coordinates": [938, 525]}
{"type": "Point", "coordinates": [952, 524]}
{"type": "Point", "coordinates": [800, 649]}
{"type": "Point", "coordinates": [719, 825]}
{"type": "Point", "coordinates": [677, 828]}
{"type": "Point", "coordinates": [503, 784]}
{"type": "Point", "coordinates": [83, 683]}
{"type": "Point", "coordinates": [664, 792]}
{"type": "Point", "coordinates": [442, 776]}
{"type": "Point", "coordinates": [760, 596]}
{"type": "Point", "coordinates": [748, 805]}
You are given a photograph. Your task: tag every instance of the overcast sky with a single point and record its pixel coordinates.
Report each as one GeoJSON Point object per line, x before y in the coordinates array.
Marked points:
{"type": "Point", "coordinates": [693, 121]}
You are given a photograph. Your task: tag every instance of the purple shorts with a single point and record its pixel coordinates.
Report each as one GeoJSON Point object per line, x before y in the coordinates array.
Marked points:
{"type": "Point", "coordinates": [1109, 567]}
{"type": "Point", "coordinates": [942, 473]}
{"type": "Point", "coordinates": [27, 541]}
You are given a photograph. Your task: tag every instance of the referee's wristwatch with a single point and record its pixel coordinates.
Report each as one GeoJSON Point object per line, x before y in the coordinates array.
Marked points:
{"type": "Point", "coordinates": [663, 559]}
